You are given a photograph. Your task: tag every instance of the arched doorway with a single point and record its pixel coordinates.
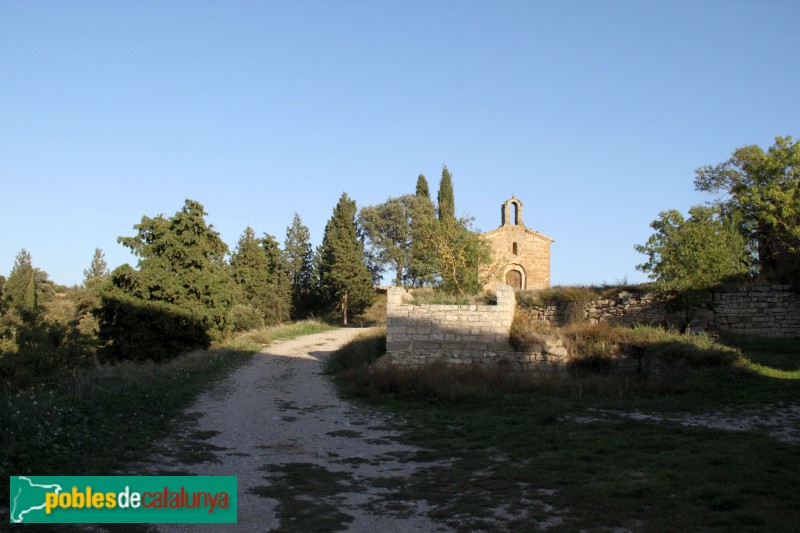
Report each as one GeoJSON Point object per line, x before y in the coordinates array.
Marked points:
{"type": "Point", "coordinates": [514, 278]}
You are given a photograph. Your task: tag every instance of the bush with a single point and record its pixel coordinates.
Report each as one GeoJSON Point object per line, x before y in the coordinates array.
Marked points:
{"type": "Point", "coordinates": [136, 329]}
{"type": "Point", "coordinates": [41, 350]}
{"type": "Point", "coordinates": [245, 317]}
{"type": "Point", "coordinates": [570, 301]}
{"type": "Point", "coordinates": [603, 341]}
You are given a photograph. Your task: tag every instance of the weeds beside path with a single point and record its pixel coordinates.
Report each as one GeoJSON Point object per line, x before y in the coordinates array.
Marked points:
{"type": "Point", "coordinates": [95, 421]}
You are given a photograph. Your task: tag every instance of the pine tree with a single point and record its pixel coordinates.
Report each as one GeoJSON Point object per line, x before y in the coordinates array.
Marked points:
{"type": "Point", "coordinates": [299, 259]}
{"type": "Point", "coordinates": [345, 280]}
{"type": "Point", "coordinates": [446, 198]}
{"type": "Point", "coordinates": [17, 290]}
{"type": "Point", "coordinates": [97, 271]}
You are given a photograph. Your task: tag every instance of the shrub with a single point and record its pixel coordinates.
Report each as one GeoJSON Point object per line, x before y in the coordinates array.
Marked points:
{"type": "Point", "coordinates": [604, 341]}
{"type": "Point", "coordinates": [245, 317]}
{"type": "Point", "coordinates": [570, 301]}
{"type": "Point", "coordinates": [136, 329]}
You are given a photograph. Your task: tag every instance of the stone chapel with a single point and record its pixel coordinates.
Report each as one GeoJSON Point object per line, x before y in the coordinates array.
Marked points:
{"type": "Point", "coordinates": [520, 255]}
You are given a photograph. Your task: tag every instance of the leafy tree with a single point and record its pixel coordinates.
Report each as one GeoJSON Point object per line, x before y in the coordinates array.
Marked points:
{"type": "Point", "coordinates": [387, 228]}
{"type": "Point", "coordinates": [422, 265]}
{"type": "Point", "coordinates": [344, 278]}
{"type": "Point", "coordinates": [459, 252]}
{"type": "Point", "coordinates": [446, 198]}
{"type": "Point", "coordinates": [299, 260]}
{"type": "Point", "coordinates": [694, 253]}
{"type": "Point", "coordinates": [762, 190]}
{"type": "Point", "coordinates": [182, 262]}
{"type": "Point", "coordinates": [97, 271]}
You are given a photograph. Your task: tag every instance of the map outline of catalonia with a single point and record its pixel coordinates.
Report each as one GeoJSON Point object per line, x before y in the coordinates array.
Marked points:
{"type": "Point", "coordinates": [18, 516]}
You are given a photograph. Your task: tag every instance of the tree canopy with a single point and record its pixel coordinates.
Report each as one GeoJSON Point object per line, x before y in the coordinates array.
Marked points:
{"type": "Point", "coordinates": [694, 253]}
{"type": "Point", "coordinates": [387, 229]}
{"type": "Point", "coordinates": [422, 189]}
{"type": "Point", "coordinates": [345, 280]}
{"type": "Point", "coordinates": [446, 197]}
{"type": "Point", "coordinates": [762, 191]}
{"type": "Point", "coordinates": [458, 252]}
{"type": "Point", "coordinates": [422, 264]}
{"type": "Point", "coordinates": [261, 279]}
{"type": "Point", "coordinates": [181, 262]}
{"type": "Point", "coordinates": [97, 271]}
{"type": "Point", "coordinates": [299, 261]}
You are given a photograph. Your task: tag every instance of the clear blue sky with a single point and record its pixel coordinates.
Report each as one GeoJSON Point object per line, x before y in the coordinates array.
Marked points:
{"type": "Point", "coordinates": [594, 113]}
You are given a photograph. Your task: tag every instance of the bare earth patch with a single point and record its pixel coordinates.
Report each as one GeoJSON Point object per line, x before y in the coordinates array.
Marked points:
{"type": "Point", "coordinates": [305, 459]}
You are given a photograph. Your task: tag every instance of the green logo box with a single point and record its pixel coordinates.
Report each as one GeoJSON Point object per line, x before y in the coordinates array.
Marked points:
{"type": "Point", "coordinates": [123, 499]}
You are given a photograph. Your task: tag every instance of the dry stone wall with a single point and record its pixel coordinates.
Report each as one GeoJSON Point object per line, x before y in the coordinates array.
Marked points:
{"type": "Point", "coordinates": [418, 335]}
{"type": "Point", "coordinates": [771, 310]}
{"type": "Point", "coordinates": [762, 311]}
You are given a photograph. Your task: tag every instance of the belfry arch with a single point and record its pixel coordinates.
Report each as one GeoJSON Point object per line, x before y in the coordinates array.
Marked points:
{"type": "Point", "coordinates": [511, 212]}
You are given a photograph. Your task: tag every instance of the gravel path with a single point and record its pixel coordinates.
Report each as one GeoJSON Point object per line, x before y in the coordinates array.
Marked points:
{"type": "Point", "coordinates": [297, 448]}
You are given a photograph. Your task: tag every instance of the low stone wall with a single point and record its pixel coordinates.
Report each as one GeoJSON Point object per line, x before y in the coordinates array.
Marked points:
{"type": "Point", "coordinates": [418, 335]}
{"type": "Point", "coordinates": [762, 311]}
{"type": "Point", "coordinates": [770, 310]}
{"type": "Point", "coordinates": [626, 308]}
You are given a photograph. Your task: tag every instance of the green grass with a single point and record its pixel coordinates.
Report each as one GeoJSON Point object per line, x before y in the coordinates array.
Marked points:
{"type": "Point", "coordinates": [94, 422]}
{"type": "Point", "coordinates": [258, 338]}
{"type": "Point", "coordinates": [524, 450]}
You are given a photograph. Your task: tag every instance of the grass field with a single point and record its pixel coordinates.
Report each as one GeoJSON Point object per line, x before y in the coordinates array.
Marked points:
{"type": "Point", "coordinates": [568, 456]}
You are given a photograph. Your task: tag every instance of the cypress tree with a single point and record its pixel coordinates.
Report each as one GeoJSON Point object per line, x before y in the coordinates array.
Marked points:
{"type": "Point", "coordinates": [299, 260]}
{"type": "Point", "coordinates": [446, 198]}
{"type": "Point", "coordinates": [257, 269]}
{"type": "Point", "coordinates": [182, 262]}
{"type": "Point", "coordinates": [422, 266]}
{"type": "Point", "coordinates": [422, 187]}
{"type": "Point", "coordinates": [279, 302]}
{"type": "Point", "coordinates": [345, 280]}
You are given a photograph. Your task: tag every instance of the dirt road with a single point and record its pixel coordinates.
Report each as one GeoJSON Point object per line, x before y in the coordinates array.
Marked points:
{"type": "Point", "coordinates": [305, 459]}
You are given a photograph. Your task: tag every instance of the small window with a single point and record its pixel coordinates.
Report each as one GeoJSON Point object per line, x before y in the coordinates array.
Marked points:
{"type": "Point", "coordinates": [515, 249]}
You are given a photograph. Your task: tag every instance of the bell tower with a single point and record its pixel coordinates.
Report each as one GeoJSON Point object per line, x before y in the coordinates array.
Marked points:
{"type": "Point", "coordinates": [511, 212]}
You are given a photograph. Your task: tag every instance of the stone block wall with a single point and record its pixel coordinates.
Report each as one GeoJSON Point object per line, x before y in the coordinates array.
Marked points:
{"type": "Point", "coordinates": [418, 335]}
{"type": "Point", "coordinates": [477, 328]}
{"type": "Point", "coordinates": [770, 310]}
{"type": "Point", "coordinates": [762, 311]}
